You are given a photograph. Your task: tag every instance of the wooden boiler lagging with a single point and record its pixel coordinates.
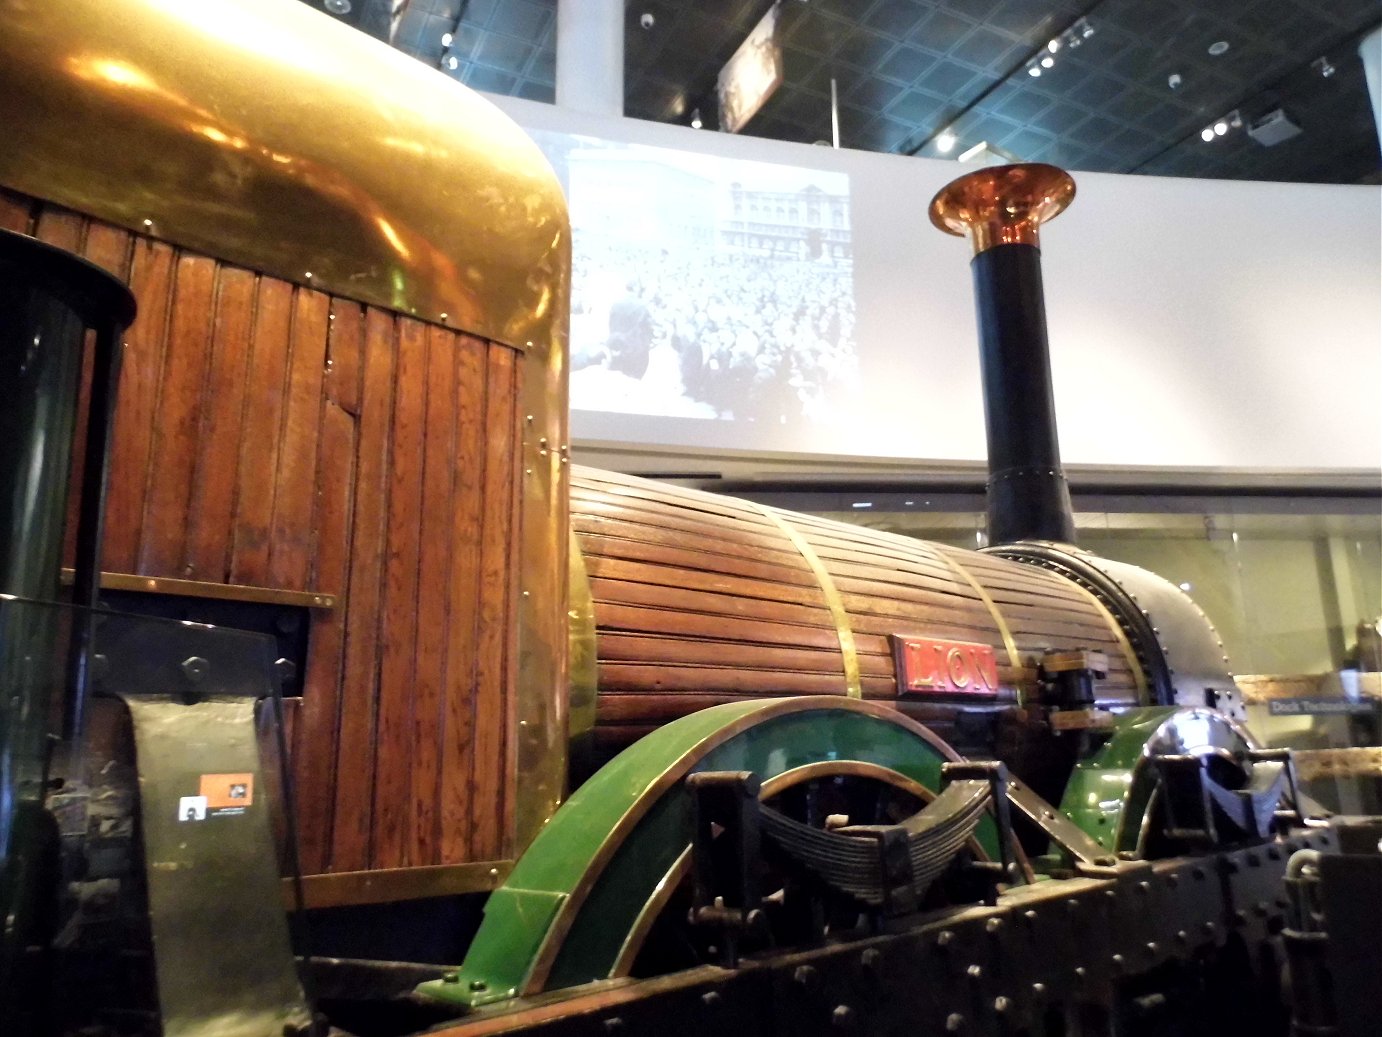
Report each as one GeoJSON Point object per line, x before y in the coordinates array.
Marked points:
{"type": "Point", "coordinates": [700, 599]}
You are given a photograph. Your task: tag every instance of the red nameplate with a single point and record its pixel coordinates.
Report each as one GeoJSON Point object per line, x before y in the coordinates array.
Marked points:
{"type": "Point", "coordinates": [929, 666]}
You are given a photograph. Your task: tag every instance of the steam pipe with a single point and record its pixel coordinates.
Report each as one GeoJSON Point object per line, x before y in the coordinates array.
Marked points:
{"type": "Point", "coordinates": [1000, 210]}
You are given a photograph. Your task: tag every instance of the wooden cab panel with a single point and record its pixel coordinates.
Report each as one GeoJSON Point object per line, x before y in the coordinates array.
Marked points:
{"type": "Point", "coordinates": [272, 436]}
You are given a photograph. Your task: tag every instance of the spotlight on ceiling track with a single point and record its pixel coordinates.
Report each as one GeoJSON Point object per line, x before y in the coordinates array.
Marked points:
{"type": "Point", "coordinates": [1323, 67]}
{"type": "Point", "coordinates": [696, 123]}
{"type": "Point", "coordinates": [1219, 127]}
{"type": "Point", "coordinates": [1074, 35]}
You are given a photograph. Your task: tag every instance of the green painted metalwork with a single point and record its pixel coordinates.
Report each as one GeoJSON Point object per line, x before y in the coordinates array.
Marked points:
{"type": "Point", "coordinates": [1109, 793]}
{"type": "Point", "coordinates": [563, 915]}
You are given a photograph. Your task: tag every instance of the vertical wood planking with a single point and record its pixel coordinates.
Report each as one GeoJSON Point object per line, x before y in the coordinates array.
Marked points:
{"type": "Point", "coordinates": [163, 540]}
{"type": "Point", "coordinates": [356, 747]}
{"type": "Point", "coordinates": [466, 517]}
{"type": "Point", "coordinates": [61, 228]}
{"type": "Point", "coordinates": [318, 732]}
{"type": "Point", "coordinates": [260, 435]}
{"type": "Point", "coordinates": [109, 248]}
{"type": "Point", "coordinates": [494, 604]}
{"type": "Point", "coordinates": [315, 752]}
{"type": "Point", "coordinates": [210, 524]}
{"type": "Point", "coordinates": [273, 436]}
{"type": "Point", "coordinates": [151, 280]}
{"type": "Point", "coordinates": [513, 552]}
{"type": "Point", "coordinates": [399, 621]}
{"type": "Point", "coordinates": [433, 612]}
{"type": "Point", "coordinates": [291, 536]}
{"type": "Point", "coordinates": [16, 212]}
{"type": "Point", "coordinates": [345, 355]}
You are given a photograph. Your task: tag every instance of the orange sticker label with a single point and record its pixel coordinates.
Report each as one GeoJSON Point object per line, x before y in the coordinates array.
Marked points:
{"type": "Point", "coordinates": [227, 790]}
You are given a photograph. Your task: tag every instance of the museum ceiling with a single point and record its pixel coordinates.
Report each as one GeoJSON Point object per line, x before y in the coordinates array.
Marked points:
{"type": "Point", "coordinates": [1143, 84]}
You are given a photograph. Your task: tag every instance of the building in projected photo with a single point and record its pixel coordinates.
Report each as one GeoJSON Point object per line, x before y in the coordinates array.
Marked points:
{"type": "Point", "coordinates": [807, 223]}
{"type": "Point", "coordinates": [705, 287]}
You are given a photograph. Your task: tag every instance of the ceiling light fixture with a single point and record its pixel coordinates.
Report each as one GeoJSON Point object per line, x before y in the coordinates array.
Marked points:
{"type": "Point", "coordinates": [945, 142]}
{"type": "Point", "coordinates": [1323, 67]}
{"type": "Point", "coordinates": [1219, 127]}
{"type": "Point", "coordinates": [696, 123]}
{"type": "Point", "coordinates": [446, 39]}
{"type": "Point", "coordinates": [452, 63]}
{"type": "Point", "coordinates": [1217, 48]}
{"type": "Point", "coordinates": [337, 6]}
{"type": "Point", "coordinates": [1076, 33]}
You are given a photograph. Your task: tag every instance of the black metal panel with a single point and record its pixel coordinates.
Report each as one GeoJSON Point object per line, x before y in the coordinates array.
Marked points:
{"type": "Point", "coordinates": [224, 961]}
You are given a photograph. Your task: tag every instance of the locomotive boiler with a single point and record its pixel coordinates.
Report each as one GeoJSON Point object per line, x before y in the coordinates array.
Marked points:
{"type": "Point", "coordinates": [850, 780]}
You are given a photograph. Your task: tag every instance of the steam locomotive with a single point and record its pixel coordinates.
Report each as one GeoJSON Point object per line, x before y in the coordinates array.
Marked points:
{"type": "Point", "coordinates": [850, 781]}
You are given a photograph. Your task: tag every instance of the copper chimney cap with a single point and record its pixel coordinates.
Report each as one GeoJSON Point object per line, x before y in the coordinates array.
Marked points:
{"type": "Point", "coordinates": [1002, 205]}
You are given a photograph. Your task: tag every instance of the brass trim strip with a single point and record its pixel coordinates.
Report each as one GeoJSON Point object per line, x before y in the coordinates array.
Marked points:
{"type": "Point", "coordinates": [345, 888]}
{"type": "Point", "coordinates": [584, 679]}
{"type": "Point", "coordinates": [219, 591]}
{"type": "Point", "coordinates": [849, 654]}
{"type": "Point", "coordinates": [643, 924]}
{"type": "Point", "coordinates": [1009, 645]}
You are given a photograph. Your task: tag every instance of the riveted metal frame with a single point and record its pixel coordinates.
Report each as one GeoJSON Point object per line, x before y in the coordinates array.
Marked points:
{"type": "Point", "coordinates": [1072, 948]}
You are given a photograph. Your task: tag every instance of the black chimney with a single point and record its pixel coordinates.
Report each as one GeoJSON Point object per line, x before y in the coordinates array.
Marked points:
{"type": "Point", "coordinates": [1000, 210]}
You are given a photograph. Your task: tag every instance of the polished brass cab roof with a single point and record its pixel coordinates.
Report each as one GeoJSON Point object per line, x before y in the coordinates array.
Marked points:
{"type": "Point", "coordinates": [269, 135]}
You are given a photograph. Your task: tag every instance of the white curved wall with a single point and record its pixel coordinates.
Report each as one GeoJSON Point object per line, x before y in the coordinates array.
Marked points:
{"type": "Point", "coordinates": [1193, 323]}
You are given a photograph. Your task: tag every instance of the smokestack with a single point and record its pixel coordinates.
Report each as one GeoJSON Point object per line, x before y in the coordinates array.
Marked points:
{"type": "Point", "coordinates": [1000, 210]}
